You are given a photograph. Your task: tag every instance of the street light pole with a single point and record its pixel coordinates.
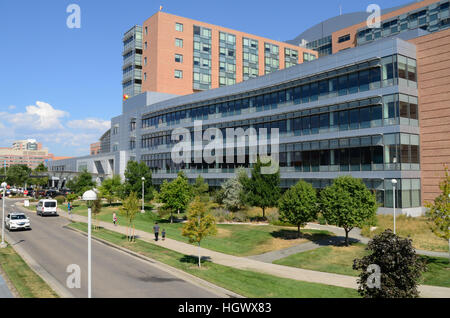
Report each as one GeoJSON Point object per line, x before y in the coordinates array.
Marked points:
{"type": "Point", "coordinates": [3, 244]}
{"type": "Point", "coordinates": [89, 197]}
{"type": "Point", "coordinates": [143, 208]}
{"type": "Point", "coordinates": [394, 182]}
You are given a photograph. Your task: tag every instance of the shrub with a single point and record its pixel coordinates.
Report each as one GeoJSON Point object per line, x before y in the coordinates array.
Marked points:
{"type": "Point", "coordinates": [60, 199]}
{"type": "Point", "coordinates": [273, 217]}
{"type": "Point", "coordinates": [240, 216]}
{"type": "Point", "coordinates": [222, 215]}
{"type": "Point", "coordinates": [321, 219]}
{"type": "Point", "coordinates": [397, 268]}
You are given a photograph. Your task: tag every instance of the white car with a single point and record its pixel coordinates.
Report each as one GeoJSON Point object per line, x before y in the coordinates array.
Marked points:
{"type": "Point", "coordinates": [46, 207]}
{"type": "Point", "coordinates": [17, 221]}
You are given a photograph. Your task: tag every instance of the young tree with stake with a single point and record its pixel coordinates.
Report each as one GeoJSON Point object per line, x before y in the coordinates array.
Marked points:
{"type": "Point", "coordinates": [199, 225]}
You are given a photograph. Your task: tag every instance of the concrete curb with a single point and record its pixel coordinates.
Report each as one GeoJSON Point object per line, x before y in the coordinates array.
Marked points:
{"type": "Point", "coordinates": [219, 291]}
{"type": "Point", "coordinates": [59, 289]}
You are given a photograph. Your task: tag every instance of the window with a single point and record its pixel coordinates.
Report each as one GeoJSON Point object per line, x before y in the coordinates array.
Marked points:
{"type": "Point", "coordinates": [178, 58]}
{"type": "Point", "coordinates": [179, 27]}
{"type": "Point", "coordinates": [178, 42]}
{"type": "Point", "coordinates": [344, 38]}
{"type": "Point", "coordinates": [145, 76]}
{"type": "Point", "coordinates": [145, 61]}
{"type": "Point", "coordinates": [146, 30]}
{"type": "Point", "coordinates": [178, 74]}
{"type": "Point", "coordinates": [145, 45]}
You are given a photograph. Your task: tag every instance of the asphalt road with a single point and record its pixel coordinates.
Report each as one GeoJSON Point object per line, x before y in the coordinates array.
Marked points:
{"type": "Point", "coordinates": [115, 274]}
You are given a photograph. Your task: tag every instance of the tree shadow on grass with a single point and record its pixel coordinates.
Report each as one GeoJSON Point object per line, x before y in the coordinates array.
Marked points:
{"type": "Point", "coordinates": [193, 260]}
{"type": "Point", "coordinates": [288, 234]}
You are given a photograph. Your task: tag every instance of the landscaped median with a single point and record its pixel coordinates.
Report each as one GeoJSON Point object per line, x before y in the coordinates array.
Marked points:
{"type": "Point", "coordinates": [232, 239]}
{"type": "Point", "coordinates": [27, 283]}
{"type": "Point", "coordinates": [339, 260]}
{"type": "Point", "coordinates": [243, 282]}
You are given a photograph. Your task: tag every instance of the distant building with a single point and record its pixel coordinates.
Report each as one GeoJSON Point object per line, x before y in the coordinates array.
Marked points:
{"type": "Point", "coordinates": [26, 152]}
{"type": "Point", "coordinates": [95, 148]}
{"type": "Point", "coordinates": [29, 144]}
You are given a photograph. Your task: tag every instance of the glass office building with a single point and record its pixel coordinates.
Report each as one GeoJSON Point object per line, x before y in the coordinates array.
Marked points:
{"type": "Point", "coordinates": [338, 115]}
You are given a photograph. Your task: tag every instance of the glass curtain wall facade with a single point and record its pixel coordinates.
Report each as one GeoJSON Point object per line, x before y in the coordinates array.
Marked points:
{"type": "Point", "coordinates": [432, 18]}
{"type": "Point", "coordinates": [202, 58]}
{"type": "Point", "coordinates": [290, 57]}
{"type": "Point", "coordinates": [271, 58]}
{"type": "Point", "coordinates": [365, 153]}
{"type": "Point", "coordinates": [132, 62]}
{"type": "Point", "coordinates": [250, 57]}
{"type": "Point", "coordinates": [227, 59]}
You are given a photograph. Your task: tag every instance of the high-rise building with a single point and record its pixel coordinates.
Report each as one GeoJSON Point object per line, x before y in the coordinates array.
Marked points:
{"type": "Point", "coordinates": [375, 108]}
{"type": "Point", "coordinates": [29, 144]}
{"type": "Point", "coordinates": [26, 152]}
{"type": "Point", "coordinates": [176, 55]}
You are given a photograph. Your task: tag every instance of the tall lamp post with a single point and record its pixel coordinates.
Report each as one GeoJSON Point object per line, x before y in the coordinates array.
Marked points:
{"type": "Point", "coordinates": [143, 209]}
{"type": "Point", "coordinates": [3, 244]}
{"type": "Point", "coordinates": [89, 197]}
{"type": "Point", "coordinates": [394, 183]}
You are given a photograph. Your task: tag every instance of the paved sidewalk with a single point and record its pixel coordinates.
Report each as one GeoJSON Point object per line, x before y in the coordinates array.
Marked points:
{"type": "Point", "coordinates": [4, 289]}
{"type": "Point", "coordinates": [273, 256]}
{"type": "Point", "coordinates": [254, 265]}
{"type": "Point", "coordinates": [356, 234]}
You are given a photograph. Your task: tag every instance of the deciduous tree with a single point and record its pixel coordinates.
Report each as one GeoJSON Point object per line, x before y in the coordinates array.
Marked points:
{"type": "Point", "coordinates": [347, 203]}
{"type": "Point", "coordinates": [133, 180]}
{"type": "Point", "coordinates": [175, 195]}
{"type": "Point", "coordinates": [298, 205]}
{"type": "Point", "coordinates": [129, 209]}
{"type": "Point", "coordinates": [199, 225]}
{"type": "Point", "coordinates": [110, 188]}
{"type": "Point", "coordinates": [439, 211]}
{"type": "Point", "coordinates": [262, 190]}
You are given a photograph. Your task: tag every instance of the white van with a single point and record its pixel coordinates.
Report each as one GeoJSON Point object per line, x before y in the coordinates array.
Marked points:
{"type": "Point", "coordinates": [46, 207]}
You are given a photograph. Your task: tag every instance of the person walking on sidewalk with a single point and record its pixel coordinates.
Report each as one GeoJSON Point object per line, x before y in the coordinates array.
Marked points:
{"type": "Point", "coordinates": [156, 231]}
{"type": "Point", "coordinates": [69, 209]}
{"type": "Point", "coordinates": [115, 219]}
{"type": "Point", "coordinates": [163, 234]}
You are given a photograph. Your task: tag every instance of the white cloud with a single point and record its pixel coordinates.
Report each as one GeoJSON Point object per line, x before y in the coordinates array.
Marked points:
{"type": "Point", "coordinates": [90, 124]}
{"type": "Point", "coordinates": [41, 116]}
{"type": "Point", "coordinates": [49, 126]}
{"type": "Point", "coordinates": [11, 107]}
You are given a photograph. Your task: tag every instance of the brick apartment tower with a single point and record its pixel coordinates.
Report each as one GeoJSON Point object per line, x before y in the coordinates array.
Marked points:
{"type": "Point", "coordinates": [182, 56]}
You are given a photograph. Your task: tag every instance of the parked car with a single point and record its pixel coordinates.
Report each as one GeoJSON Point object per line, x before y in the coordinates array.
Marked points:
{"type": "Point", "coordinates": [46, 207]}
{"type": "Point", "coordinates": [52, 193]}
{"type": "Point", "coordinates": [17, 221]}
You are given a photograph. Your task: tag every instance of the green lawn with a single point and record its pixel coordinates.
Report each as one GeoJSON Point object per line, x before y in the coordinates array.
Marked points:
{"type": "Point", "coordinates": [27, 283]}
{"type": "Point", "coordinates": [417, 229]}
{"type": "Point", "coordinates": [233, 239]}
{"type": "Point", "coordinates": [339, 260]}
{"type": "Point", "coordinates": [246, 283]}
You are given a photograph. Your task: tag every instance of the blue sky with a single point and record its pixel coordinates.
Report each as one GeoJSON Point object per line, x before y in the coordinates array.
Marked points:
{"type": "Point", "coordinates": [62, 86]}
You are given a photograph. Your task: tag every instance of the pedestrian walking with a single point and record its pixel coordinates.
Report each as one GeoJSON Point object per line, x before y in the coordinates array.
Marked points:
{"type": "Point", "coordinates": [156, 231]}
{"type": "Point", "coordinates": [163, 234]}
{"type": "Point", "coordinates": [69, 209]}
{"type": "Point", "coordinates": [114, 219]}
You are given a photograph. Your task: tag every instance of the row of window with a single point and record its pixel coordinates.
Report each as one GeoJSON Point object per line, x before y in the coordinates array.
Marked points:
{"type": "Point", "coordinates": [351, 83]}
{"type": "Point", "coordinates": [431, 18]}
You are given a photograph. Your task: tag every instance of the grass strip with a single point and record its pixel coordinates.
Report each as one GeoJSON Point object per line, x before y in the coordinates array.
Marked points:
{"type": "Point", "coordinates": [232, 239]}
{"type": "Point", "coordinates": [339, 260]}
{"type": "Point", "coordinates": [246, 283]}
{"type": "Point", "coordinates": [27, 283]}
